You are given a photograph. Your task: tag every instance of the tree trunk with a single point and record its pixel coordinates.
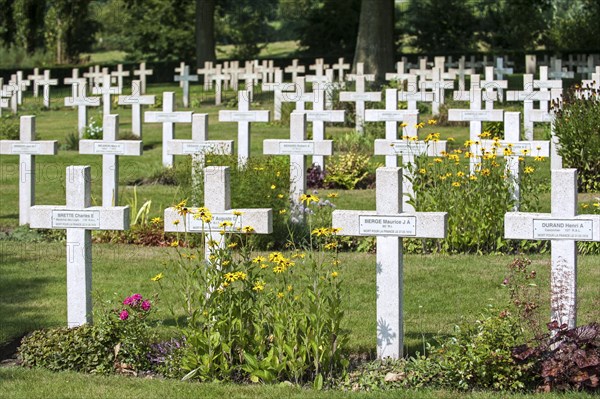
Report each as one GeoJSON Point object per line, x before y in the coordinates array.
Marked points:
{"type": "Point", "coordinates": [205, 31]}
{"type": "Point", "coordinates": [375, 41]}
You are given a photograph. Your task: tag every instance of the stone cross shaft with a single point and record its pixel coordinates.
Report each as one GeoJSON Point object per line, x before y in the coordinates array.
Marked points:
{"type": "Point", "coordinates": [563, 227]}
{"type": "Point", "coordinates": [33, 77]}
{"type": "Point", "coordinates": [27, 148]}
{"type": "Point", "coordinates": [298, 148]}
{"type": "Point", "coordinates": [106, 91]}
{"type": "Point", "coordinates": [110, 147]}
{"type": "Point", "coordinates": [217, 199]}
{"type": "Point", "coordinates": [79, 219]}
{"type": "Point", "coordinates": [120, 74]}
{"type": "Point", "coordinates": [136, 101]}
{"type": "Point", "coordinates": [390, 224]}
{"type": "Point", "coordinates": [142, 73]}
{"type": "Point", "coordinates": [81, 101]}
{"type": "Point", "coordinates": [244, 117]}
{"type": "Point", "coordinates": [185, 78]}
{"type": "Point", "coordinates": [438, 86]}
{"type": "Point", "coordinates": [168, 117]}
{"type": "Point", "coordinates": [360, 96]}
{"type": "Point", "coordinates": [46, 82]}
{"type": "Point", "coordinates": [295, 69]}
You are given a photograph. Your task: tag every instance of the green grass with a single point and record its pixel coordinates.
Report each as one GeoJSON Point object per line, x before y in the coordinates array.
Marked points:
{"type": "Point", "coordinates": [282, 49]}
{"type": "Point", "coordinates": [439, 290]}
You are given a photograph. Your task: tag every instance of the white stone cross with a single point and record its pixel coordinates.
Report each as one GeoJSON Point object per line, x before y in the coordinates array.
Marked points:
{"type": "Point", "coordinates": [46, 82]}
{"type": "Point", "coordinates": [3, 100]}
{"type": "Point", "coordinates": [298, 148]}
{"type": "Point", "coordinates": [168, 117]}
{"type": "Point", "coordinates": [106, 91]}
{"type": "Point", "coordinates": [564, 228]}
{"type": "Point", "coordinates": [185, 78]}
{"type": "Point", "coordinates": [558, 72]}
{"type": "Point", "coordinates": [438, 86]}
{"type": "Point", "coordinates": [319, 67]}
{"type": "Point", "coordinates": [461, 71]}
{"type": "Point", "coordinates": [78, 85]}
{"type": "Point", "coordinates": [360, 95]}
{"type": "Point", "coordinates": [81, 101]}
{"type": "Point", "coordinates": [244, 117]}
{"type": "Point", "coordinates": [412, 95]}
{"type": "Point", "coordinates": [199, 146]}
{"type": "Point", "coordinates": [295, 69]}
{"type": "Point", "coordinates": [120, 74]}
{"type": "Point", "coordinates": [79, 218]}
{"type": "Point", "coordinates": [21, 86]}
{"type": "Point", "coordinates": [94, 75]}
{"type": "Point", "coordinates": [500, 70]}
{"type": "Point", "coordinates": [180, 70]}
{"type": "Point", "coordinates": [341, 67]}
{"type": "Point", "coordinates": [142, 73]}
{"type": "Point", "coordinates": [27, 148]}
{"type": "Point", "coordinates": [588, 68]}
{"type": "Point", "coordinates": [544, 84]}
{"type": "Point", "coordinates": [475, 116]}
{"type": "Point", "coordinates": [33, 77]}
{"type": "Point", "coordinates": [206, 72]}
{"type": "Point", "coordinates": [217, 199]}
{"type": "Point", "coordinates": [318, 116]}
{"type": "Point", "coordinates": [400, 75]}
{"type": "Point", "coordinates": [110, 147]}
{"type": "Point", "coordinates": [492, 87]}
{"type": "Point", "coordinates": [12, 91]}
{"type": "Point", "coordinates": [389, 224]}
{"type": "Point", "coordinates": [219, 77]}
{"type": "Point", "coordinates": [512, 149]}
{"type": "Point", "coordinates": [278, 88]}
{"type": "Point", "coordinates": [136, 101]}
{"type": "Point", "coordinates": [408, 146]}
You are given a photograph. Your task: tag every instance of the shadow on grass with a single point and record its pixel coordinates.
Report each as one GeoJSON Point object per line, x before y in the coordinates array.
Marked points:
{"type": "Point", "coordinates": [419, 342]}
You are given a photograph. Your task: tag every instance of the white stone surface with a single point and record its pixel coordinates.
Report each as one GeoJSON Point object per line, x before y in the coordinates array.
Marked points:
{"type": "Point", "coordinates": [27, 148]}
{"type": "Point", "coordinates": [136, 101]}
{"type": "Point", "coordinates": [74, 216]}
{"type": "Point", "coordinates": [564, 228]}
{"type": "Point", "coordinates": [185, 78]}
{"type": "Point", "coordinates": [142, 73]}
{"type": "Point", "coordinates": [389, 224]}
{"type": "Point", "coordinates": [110, 147]}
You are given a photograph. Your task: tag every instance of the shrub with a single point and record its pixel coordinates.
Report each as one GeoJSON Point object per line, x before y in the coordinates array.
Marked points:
{"type": "Point", "coordinates": [349, 171]}
{"type": "Point", "coordinates": [93, 131]}
{"type": "Point", "coordinates": [71, 142]}
{"type": "Point", "coordinates": [118, 341]}
{"type": "Point", "coordinates": [576, 127]}
{"type": "Point", "coordinates": [476, 203]}
{"type": "Point", "coordinates": [268, 318]}
{"type": "Point", "coordinates": [9, 127]}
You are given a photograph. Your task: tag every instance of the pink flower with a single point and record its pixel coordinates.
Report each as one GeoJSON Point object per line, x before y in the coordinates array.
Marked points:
{"type": "Point", "coordinates": [124, 315]}
{"type": "Point", "coordinates": [146, 305]}
{"type": "Point", "coordinates": [133, 300]}
{"type": "Point", "coordinates": [128, 301]}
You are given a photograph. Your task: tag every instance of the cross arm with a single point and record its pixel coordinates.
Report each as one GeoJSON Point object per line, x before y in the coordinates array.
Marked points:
{"type": "Point", "coordinates": [377, 115]}
{"type": "Point", "coordinates": [260, 219]}
{"type": "Point", "coordinates": [168, 117]}
{"type": "Point", "coordinates": [16, 147]}
{"type": "Point", "coordinates": [291, 147]}
{"type": "Point", "coordinates": [189, 147]}
{"type": "Point", "coordinates": [325, 116]}
{"type": "Point", "coordinates": [78, 101]}
{"type": "Point", "coordinates": [494, 115]}
{"type": "Point", "coordinates": [544, 226]}
{"type": "Point", "coordinates": [142, 100]}
{"type": "Point", "coordinates": [243, 116]}
{"type": "Point", "coordinates": [357, 96]}
{"type": "Point", "coordinates": [119, 147]}
{"type": "Point", "coordinates": [92, 218]}
{"type": "Point", "coordinates": [416, 225]}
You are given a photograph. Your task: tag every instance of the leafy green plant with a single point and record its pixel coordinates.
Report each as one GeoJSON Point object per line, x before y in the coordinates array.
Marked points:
{"type": "Point", "coordinates": [349, 171]}
{"type": "Point", "coordinates": [576, 126]}
{"type": "Point", "coordinates": [263, 318]}
{"type": "Point", "coordinates": [9, 127]}
{"type": "Point", "coordinates": [93, 131]}
{"type": "Point", "coordinates": [71, 142]}
{"type": "Point", "coordinates": [118, 341]}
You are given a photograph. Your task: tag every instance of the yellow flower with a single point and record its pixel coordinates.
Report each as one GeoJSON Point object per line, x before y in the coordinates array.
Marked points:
{"type": "Point", "coordinates": [212, 243]}
{"type": "Point", "coordinates": [232, 245]}
{"type": "Point", "coordinates": [403, 124]}
{"type": "Point", "coordinates": [175, 243]}
{"type": "Point", "coordinates": [248, 229]}
{"type": "Point", "coordinates": [431, 122]}
{"type": "Point", "coordinates": [423, 171]}
{"type": "Point", "coordinates": [335, 262]}
{"type": "Point", "coordinates": [319, 232]}
{"type": "Point", "coordinates": [334, 274]}
{"type": "Point", "coordinates": [158, 277]}
{"type": "Point", "coordinates": [331, 245]}
{"type": "Point", "coordinates": [485, 172]}
{"type": "Point", "coordinates": [241, 276]}
{"type": "Point", "coordinates": [204, 214]}
{"type": "Point", "coordinates": [278, 269]}
{"type": "Point", "coordinates": [156, 220]}
{"type": "Point", "coordinates": [584, 206]}
{"type": "Point", "coordinates": [181, 208]}
{"type": "Point", "coordinates": [308, 198]}
{"type": "Point", "coordinates": [332, 195]}
{"type": "Point", "coordinates": [455, 184]}
{"type": "Point", "coordinates": [280, 196]}
{"type": "Point", "coordinates": [298, 255]}
{"type": "Point", "coordinates": [280, 295]}
{"type": "Point", "coordinates": [507, 152]}
{"type": "Point", "coordinates": [290, 288]}
{"type": "Point", "coordinates": [282, 211]}
{"type": "Point", "coordinates": [276, 257]}
{"type": "Point", "coordinates": [264, 265]}
{"type": "Point", "coordinates": [460, 174]}
{"type": "Point", "coordinates": [226, 223]}
{"type": "Point", "coordinates": [259, 286]}
{"type": "Point", "coordinates": [528, 170]}
{"type": "Point", "coordinates": [237, 213]}
{"type": "Point", "coordinates": [259, 259]}
{"type": "Point", "coordinates": [420, 125]}
{"type": "Point", "coordinates": [539, 158]}
{"type": "Point", "coordinates": [438, 160]}
{"type": "Point", "coordinates": [473, 177]}
{"type": "Point", "coordinates": [229, 277]}
{"type": "Point", "coordinates": [335, 230]}
{"type": "Point", "coordinates": [176, 222]}
{"type": "Point", "coordinates": [273, 187]}
{"type": "Point", "coordinates": [485, 134]}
